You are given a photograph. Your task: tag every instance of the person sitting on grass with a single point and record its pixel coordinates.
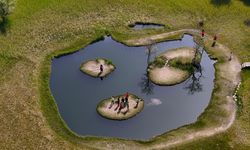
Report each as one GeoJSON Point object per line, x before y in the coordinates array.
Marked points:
{"type": "Point", "coordinates": [112, 102]}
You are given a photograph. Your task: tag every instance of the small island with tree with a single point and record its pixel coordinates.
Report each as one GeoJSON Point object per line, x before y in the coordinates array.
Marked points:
{"type": "Point", "coordinates": [173, 66]}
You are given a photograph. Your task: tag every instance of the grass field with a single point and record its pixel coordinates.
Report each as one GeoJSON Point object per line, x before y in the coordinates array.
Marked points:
{"type": "Point", "coordinates": [41, 29]}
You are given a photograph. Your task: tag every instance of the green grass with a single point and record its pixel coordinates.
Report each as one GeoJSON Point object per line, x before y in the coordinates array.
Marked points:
{"type": "Point", "coordinates": [182, 64]}
{"type": "Point", "coordinates": [159, 62]}
{"type": "Point", "coordinates": [43, 29]}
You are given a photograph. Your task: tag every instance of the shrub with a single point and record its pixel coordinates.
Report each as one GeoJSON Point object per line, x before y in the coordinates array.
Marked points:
{"type": "Point", "coordinates": [247, 22]}
{"type": "Point", "coordinates": [160, 61]}
{"type": "Point", "coordinates": [6, 7]}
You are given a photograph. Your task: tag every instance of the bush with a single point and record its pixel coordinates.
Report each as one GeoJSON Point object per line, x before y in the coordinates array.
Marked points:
{"type": "Point", "coordinates": [160, 61]}
{"type": "Point", "coordinates": [109, 62]}
{"type": "Point", "coordinates": [6, 7]}
{"type": "Point", "coordinates": [178, 63]}
{"type": "Point", "coordinates": [247, 22]}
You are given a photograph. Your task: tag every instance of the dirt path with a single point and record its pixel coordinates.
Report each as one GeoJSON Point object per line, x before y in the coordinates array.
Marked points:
{"type": "Point", "coordinates": [229, 70]}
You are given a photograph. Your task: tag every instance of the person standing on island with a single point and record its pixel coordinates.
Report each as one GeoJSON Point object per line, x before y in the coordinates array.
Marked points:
{"type": "Point", "coordinates": [118, 103]}
{"type": "Point", "coordinates": [121, 105]}
{"type": "Point", "coordinates": [126, 104]}
{"type": "Point", "coordinates": [126, 96]}
{"type": "Point", "coordinates": [215, 39]}
{"type": "Point", "coordinates": [112, 102]}
{"type": "Point", "coordinates": [101, 68]}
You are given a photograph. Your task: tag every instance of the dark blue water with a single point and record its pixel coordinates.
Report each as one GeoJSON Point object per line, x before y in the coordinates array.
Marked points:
{"type": "Point", "coordinates": [166, 107]}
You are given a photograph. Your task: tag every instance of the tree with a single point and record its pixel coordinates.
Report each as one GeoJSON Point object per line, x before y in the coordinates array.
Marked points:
{"type": "Point", "coordinates": [199, 49]}
{"type": "Point", "coordinates": [195, 85]}
{"type": "Point", "coordinates": [6, 7]}
{"type": "Point", "coordinates": [145, 84]}
{"type": "Point", "coordinates": [151, 48]}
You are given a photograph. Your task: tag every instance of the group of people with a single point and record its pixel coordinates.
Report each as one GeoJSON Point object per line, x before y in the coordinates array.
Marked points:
{"type": "Point", "coordinates": [214, 38]}
{"type": "Point", "coordinates": [121, 103]}
{"type": "Point", "coordinates": [214, 42]}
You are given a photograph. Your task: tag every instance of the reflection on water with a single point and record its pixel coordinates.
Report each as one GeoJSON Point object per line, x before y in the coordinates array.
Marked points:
{"type": "Point", "coordinates": [193, 83]}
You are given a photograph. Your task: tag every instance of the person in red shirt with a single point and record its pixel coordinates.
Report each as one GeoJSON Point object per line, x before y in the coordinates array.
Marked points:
{"type": "Point", "coordinates": [202, 33]}
{"type": "Point", "coordinates": [126, 96]}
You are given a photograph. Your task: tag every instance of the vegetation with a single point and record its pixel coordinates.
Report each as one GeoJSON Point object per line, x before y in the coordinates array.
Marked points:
{"type": "Point", "coordinates": [247, 22]}
{"type": "Point", "coordinates": [159, 61]}
{"type": "Point", "coordinates": [181, 64]}
{"type": "Point", "coordinates": [6, 7]}
{"type": "Point", "coordinates": [43, 29]}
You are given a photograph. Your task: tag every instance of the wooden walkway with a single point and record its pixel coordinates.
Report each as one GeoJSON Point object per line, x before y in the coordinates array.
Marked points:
{"type": "Point", "coordinates": [245, 65]}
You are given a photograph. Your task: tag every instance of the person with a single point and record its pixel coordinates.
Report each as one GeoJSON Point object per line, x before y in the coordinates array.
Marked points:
{"type": "Point", "coordinates": [121, 106]}
{"type": "Point", "coordinates": [126, 96]}
{"type": "Point", "coordinates": [126, 104]}
{"type": "Point", "coordinates": [101, 68]}
{"type": "Point", "coordinates": [215, 38]}
{"type": "Point", "coordinates": [202, 33]}
{"type": "Point", "coordinates": [118, 103]}
{"type": "Point", "coordinates": [230, 57]}
{"type": "Point", "coordinates": [112, 102]}
{"type": "Point", "coordinates": [137, 103]}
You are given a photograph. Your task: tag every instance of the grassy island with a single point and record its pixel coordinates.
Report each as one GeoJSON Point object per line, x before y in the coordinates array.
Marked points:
{"type": "Point", "coordinates": [172, 67]}
{"type": "Point", "coordinates": [93, 67]}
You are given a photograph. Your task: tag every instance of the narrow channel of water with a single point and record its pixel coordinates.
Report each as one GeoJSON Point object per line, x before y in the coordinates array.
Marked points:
{"type": "Point", "coordinates": [166, 107]}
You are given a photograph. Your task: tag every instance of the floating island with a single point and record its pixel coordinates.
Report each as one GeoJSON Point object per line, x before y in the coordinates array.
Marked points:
{"type": "Point", "coordinates": [92, 67]}
{"type": "Point", "coordinates": [109, 108]}
{"type": "Point", "coordinates": [172, 67]}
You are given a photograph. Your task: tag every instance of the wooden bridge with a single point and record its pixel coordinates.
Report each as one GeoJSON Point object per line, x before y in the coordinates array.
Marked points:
{"type": "Point", "coordinates": [245, 65]}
